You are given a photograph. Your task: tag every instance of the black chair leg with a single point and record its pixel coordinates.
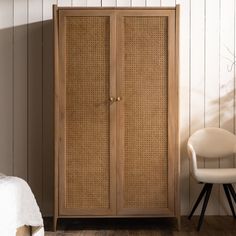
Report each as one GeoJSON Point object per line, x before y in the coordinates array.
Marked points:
{"type": "Point", "coordinates": [208, 193]}
{"type": "Point", "coordinates": [231, 189]}
{"type": "Point", "coordinates": [204, 190]}
{"type": "Point", "coordinates": [229, 198]}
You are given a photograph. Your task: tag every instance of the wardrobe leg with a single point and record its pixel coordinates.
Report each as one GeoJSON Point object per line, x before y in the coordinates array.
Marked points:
{"type": "Point", "coordinates": [55, 223]}
{"type": "Point", "coordinates": [179, 222]}
{"type": "Point", "coordinates": [229, 198]}
{"type": "Point", "coordinates": [204, 189]}
{"type": "Point", "coordinates": [231, 189]}
{"type": "Point", "coordinates": [208, 193]}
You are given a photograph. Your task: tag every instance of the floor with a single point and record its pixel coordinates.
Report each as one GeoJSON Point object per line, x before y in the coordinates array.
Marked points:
{"type": "Point", "coordinates": [213, 226]}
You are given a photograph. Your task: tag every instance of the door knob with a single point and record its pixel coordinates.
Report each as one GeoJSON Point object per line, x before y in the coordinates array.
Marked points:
{"type": "Point", "coordinates": [111, 99]}
{"type": "Point", "coordinates": [118, 99]}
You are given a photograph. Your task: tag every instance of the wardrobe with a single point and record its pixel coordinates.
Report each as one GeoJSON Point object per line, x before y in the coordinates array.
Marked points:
{"type": "Point", "coordinates": [116, 112]}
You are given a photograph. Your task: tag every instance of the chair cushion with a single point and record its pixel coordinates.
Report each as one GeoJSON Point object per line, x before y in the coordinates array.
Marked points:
{"type": "Point", "coordinates": [216, 176]}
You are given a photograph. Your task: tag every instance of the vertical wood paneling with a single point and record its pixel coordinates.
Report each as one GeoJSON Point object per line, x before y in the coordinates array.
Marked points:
{"type": "Point", "coordinates": [20, 89]}
{"type": "Point", "coordinates": [226, 66]}
{"type": "Point", "coordinates": [197, 78]}
{"type": "Point", "coordinates": [184, 49]}
{"type": "Point", "coordinates": [35, 111]}
{"type": "Point", "coordinates": [108, 3]}
{"type": "Point", "coordinates": [167, 3]}
{"type": "Point", "coordinates": [48, 107]}
{"type": "Point", "coordinates": [122, 3]}
{"type": "Point", "coordinates": [226, 80]}
{"type": "Point", "coordinates": [154, 3]}
{"type": "Point", "coordinates": [64, 3]}
{"type": "Point", "coordinates": [81, 3]}
{"type": "Point", "coordinates": [212, 85]}
{"type": "Point", "coordinates": [138, 3]}
{"type": "Point", "coordinates": [6, 86]}
{"type": "Point", "coordinates": [94, 3]}
{"type": "Point", "coordinates": [211, 63]}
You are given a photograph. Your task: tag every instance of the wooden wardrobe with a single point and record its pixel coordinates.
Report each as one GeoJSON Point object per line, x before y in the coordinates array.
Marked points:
{"type": "Point", "coordinates": [116, 112]}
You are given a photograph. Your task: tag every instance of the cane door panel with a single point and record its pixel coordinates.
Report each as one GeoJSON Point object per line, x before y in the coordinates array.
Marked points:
{"type": "Point", "coordinates": [145, 74]}
{"type": "Point", "coordinates": [86, 179]}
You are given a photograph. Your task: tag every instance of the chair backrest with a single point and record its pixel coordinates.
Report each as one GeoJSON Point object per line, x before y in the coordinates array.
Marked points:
{"type": "Point", "coordinates": [213, 142]}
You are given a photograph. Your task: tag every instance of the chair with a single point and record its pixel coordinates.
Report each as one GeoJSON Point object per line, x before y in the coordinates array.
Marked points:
{"type": "Point", "coordinates": [212, 143]}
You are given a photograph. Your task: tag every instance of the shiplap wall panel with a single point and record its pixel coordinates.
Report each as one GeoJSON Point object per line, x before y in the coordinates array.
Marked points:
{"type": "Point", "coordinates": [20, 89]}
{"type": "Point", "coordinates": [48, 108]}
{"type": "Point", "coordinates": [26, 85]}
{"type": "Point", "coordinates": [6, 85]}
{"type": "Point", "coordinates": [197, 79]}
{"type": "Point", "coordinates": [94, 3]}
{"type": "Point", "coordinates": [64, 3]}
{"type": "Point", "coordinates": [184, 49]}
{"type": "Point", "coordinates": [168, 3]}
{"type": "Point", "coordinates": [81, 3]}
{"type": "Point", "coordinates": [124, 3]}
{"type": "Point", "coordinates": [108, 3]}
{"type": "Point", "coordinates": [153, 3]}
{"type": "Point", "coordinates": [138, 3]}
{"type": "Point", "coordinates": [212, 52]}
{"type": "Point", "coordinates": [35, 111]}
{"type": "Point", "coordinates": [227, 80]}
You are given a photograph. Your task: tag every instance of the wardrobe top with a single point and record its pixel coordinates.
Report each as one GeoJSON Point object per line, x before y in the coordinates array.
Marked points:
{"type": "Point", "coordinates": [115, 8]}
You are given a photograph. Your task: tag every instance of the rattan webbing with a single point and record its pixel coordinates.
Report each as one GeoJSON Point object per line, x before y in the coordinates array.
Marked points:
{"type": "Point", "coordinates": [146, 110]}
{"type": "Point", "coordinates": [87, 112]}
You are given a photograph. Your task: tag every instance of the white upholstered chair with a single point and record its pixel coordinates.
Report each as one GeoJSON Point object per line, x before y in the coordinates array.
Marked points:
{"type": "Point", "coordinates": [212, 143]}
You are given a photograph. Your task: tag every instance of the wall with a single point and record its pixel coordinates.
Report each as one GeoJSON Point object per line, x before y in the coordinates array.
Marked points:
{"type": "Point", "coordinates": [207, 86]}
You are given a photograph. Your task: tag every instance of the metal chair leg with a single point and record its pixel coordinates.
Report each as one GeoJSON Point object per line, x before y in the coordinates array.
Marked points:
{"type": "Point", "coordinates": [208, 193]}
{"type": "Point", "coordinates": [231, 189]}
{"type": "Point", "coordinates": [229, 198]}
{"type": "Point", "coordinates": [204, 189]}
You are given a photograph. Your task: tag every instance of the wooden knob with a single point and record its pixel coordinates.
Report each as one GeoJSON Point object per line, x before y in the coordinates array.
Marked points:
{"type": "Point", "coordinates": [118, 99]}
{"type": "Point", "coordinates": [111, 99]}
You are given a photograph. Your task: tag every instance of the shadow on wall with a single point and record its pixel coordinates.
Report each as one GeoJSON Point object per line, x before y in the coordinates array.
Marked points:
{"type": "Point", "coordinates": [219, 112]}
{"type": "Point", "coordinates": [226, 104]}
{"type": "Point", "coordinates": [26, 99]}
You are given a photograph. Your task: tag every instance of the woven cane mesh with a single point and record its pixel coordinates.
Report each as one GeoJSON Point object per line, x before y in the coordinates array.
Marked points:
{"type": "Point", "coordinates": [146, 110]}
{"type": "Point", "coordinates": [87, 112]}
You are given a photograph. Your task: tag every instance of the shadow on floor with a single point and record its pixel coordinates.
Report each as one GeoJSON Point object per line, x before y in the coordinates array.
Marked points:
{"type": "Point", "coordinates": [213, 226]}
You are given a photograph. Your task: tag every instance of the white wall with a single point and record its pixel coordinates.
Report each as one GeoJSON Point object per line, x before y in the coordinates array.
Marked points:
{"type": "Point", "coordinates": [207, 86]}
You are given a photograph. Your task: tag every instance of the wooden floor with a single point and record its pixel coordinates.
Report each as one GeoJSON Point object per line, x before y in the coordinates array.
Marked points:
{"type": "Point", "coordinates": [213, 226]}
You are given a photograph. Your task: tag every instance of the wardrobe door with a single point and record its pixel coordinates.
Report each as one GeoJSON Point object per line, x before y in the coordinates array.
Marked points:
{"type": "Point", "coordinates": [86, 115]}
{"type": "Point", "coordinates": [147, 112]}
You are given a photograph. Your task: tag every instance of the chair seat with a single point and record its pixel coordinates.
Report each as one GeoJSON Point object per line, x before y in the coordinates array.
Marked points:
{"type": "Point", "coordinates": [216, 176]}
